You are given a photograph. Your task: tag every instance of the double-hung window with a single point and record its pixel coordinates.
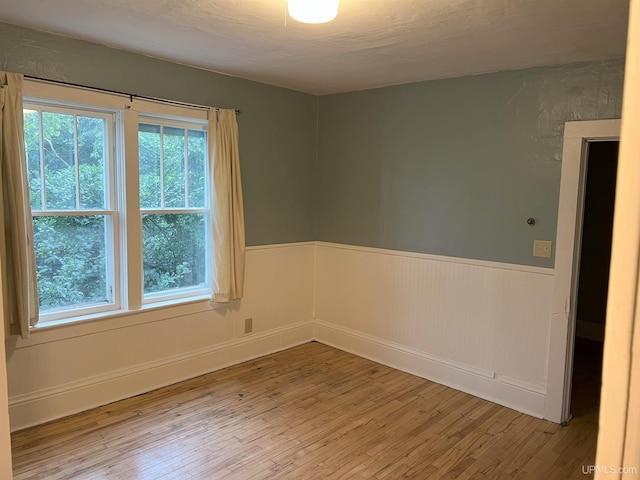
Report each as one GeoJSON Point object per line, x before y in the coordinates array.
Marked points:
{"type": "Point", "coordinates": [109, 237]}
{"type": "Point", "coordinates": [175, 207]}
{"type": "Point", "coordinates": [71, 170]}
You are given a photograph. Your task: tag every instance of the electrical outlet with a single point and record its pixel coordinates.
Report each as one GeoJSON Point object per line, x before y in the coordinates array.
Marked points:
{"type": "Point", "coordinates": [248, 325]}
{"type": "Point", "coordinates": [542, 248]}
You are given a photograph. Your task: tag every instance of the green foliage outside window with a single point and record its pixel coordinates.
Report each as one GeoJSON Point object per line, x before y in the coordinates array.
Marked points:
{"type": "Point", "coordinates": [73, 252]}
{"type": "Point", "coordinates": [70, 260]}
{"type": "Point", "coordinates": [173, 244]}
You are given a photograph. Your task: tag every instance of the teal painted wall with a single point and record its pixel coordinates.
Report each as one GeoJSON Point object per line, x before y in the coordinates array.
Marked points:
{"type": "Point", "coordinates": [455, 167]}
{"type": "Point", "coordinates": [277, 126]}
{"type": "Point", "coordinates": [449, 167]}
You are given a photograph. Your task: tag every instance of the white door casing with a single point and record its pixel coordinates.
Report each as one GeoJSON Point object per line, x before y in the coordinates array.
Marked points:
{"type": "Point", "coordinates": [563, 316]}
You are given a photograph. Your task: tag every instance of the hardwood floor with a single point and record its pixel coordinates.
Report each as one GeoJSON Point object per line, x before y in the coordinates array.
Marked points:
{"type": "Point", "coordinates": [310, 412]}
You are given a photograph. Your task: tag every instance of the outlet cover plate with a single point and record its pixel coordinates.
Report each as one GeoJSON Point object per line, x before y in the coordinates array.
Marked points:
{"type": "Point", "coordinates": [542, 248]}
{"type": "Point", "coordinates": [248, 325]}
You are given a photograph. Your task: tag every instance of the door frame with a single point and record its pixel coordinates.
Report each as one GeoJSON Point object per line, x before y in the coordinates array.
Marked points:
{"type": "Point", "coordinates": [577, 135]}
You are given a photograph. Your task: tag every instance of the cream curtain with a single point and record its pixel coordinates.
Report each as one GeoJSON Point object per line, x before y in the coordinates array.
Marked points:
{"type": "Point", "coordinates": [227, 214]}
{"type": "Point", "coordinates": [16, 231]}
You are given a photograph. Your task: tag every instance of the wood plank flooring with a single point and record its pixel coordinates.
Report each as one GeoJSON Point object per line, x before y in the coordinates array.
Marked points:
{"type": "Point", "coordinates": [310, 412]}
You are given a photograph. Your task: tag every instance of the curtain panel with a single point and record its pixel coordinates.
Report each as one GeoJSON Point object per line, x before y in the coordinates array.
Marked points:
{"type": "Point", "coordinates": [227, 214]}
{"type": "Point", "coordinates": [19, 288]}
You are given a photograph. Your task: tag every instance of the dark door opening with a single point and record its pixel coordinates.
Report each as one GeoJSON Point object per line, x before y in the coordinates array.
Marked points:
{"type": "Point", "coordinates": [593, 279]}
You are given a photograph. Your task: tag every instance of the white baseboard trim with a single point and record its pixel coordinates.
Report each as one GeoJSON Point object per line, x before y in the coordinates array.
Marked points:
{"type": "Point", "coordinates": [518, 395]}
{"type": "Point", "coordinates": [56, 402]}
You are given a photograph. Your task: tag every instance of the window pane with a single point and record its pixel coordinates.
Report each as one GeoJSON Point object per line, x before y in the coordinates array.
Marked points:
{"type": "Point", "coordinates": [197, 171]}
{"type": "Point", "coordinates": [32, 149]}
{"type": "Point", "coordinates": [91, 153]}
{"type": "Point", "coordinates": [71, 260]}
{"type": "Point", "coordinates": [149, 153]}
{"type": "Point", "coordinates": [59, 160]}
{"type": "Point", "coordinates": [174, 174]}
{"type": "Point", "coordinates": [174, 251]}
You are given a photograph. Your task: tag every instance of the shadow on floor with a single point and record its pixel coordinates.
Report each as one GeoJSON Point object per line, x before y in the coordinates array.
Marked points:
{"type": "Point", "coordinates": [587, 379]}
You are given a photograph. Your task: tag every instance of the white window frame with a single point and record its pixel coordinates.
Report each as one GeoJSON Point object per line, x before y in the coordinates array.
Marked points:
{"type": "Point", "coordinates": [110, 212]}
{"type": "Point", "coordinates": [187, 124]}
{"type": "Point", "coordinates": [128, 267]}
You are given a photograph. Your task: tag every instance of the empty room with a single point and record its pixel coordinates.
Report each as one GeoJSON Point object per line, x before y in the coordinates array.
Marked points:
{"type": "Point", "coordinates": [308, 239]}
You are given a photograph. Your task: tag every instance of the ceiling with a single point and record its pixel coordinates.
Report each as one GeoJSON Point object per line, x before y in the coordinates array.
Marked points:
{"type": "Point", "coordinates": [372, 43]}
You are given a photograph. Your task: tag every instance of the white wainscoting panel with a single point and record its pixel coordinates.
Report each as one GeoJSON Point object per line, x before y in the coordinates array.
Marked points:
{"type": "Point", "coordinates": [481, 327]}
{"type": "Point", "coordinates": [70, 368]}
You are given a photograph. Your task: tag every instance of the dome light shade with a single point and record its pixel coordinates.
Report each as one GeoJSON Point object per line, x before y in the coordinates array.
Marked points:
{"type": "Point", "coordinates": [313, 11]}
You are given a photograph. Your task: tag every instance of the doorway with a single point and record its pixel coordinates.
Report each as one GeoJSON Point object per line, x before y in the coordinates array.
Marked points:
{"type": "Point", "coordinates": [601, 164]}
{"type": "Point", "coordinates": [577, 137]}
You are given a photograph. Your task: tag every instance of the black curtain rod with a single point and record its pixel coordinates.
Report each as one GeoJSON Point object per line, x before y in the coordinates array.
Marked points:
{"type": "Point", "coordinates": [130, 95]}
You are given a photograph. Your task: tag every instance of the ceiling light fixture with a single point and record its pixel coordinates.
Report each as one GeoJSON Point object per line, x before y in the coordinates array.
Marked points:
{"type": "Point", "coordinates": [313, 11]}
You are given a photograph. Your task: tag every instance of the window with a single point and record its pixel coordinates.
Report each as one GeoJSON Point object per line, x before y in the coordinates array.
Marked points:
{"type": "Point", "coordinates": [109, 237]}
{"type": "Point", "coordinates": [174, 207]}
{"type": "Point", "coordinates": [70, 168]}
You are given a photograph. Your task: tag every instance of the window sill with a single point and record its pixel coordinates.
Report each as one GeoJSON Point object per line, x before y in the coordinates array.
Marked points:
{"type": "Point", "coordinates": [117, 319]}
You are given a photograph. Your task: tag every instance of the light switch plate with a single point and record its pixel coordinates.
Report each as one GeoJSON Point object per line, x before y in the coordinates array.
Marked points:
{"type": "Point", "coordinates": [542, 248]}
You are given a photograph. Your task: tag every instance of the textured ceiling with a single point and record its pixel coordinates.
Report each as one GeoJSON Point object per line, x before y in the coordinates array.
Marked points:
{"type": "Point", "coordinates": [372, 43]}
